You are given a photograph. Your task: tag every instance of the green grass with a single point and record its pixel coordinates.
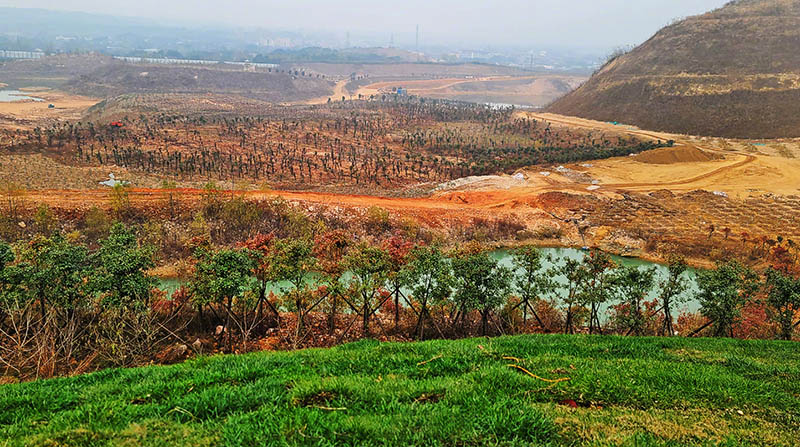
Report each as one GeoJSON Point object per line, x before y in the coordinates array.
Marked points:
{"type": "Point", "coordinates": [630, 391]}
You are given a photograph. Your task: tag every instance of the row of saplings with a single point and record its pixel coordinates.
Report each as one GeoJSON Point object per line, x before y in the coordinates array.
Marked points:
{"type": "Point", "coordinates": [62, 305]}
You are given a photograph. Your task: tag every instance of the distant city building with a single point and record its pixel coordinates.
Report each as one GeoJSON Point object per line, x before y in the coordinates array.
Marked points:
{"type": "Point", "coordinates": [7, 54]}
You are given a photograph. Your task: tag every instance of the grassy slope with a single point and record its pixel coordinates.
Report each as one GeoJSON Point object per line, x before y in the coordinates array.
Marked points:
{"type": "Point", "coordinates": [646, 391]}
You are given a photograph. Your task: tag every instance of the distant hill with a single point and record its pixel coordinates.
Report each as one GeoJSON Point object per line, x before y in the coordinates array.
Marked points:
{"type": "Point", "coordinates": [51, 71]}
{"type": "Point", "coordinates": [102, 77]}
{"type": "Point", "coordinates": [732, 72]}
{"type": "Point", "coordinates": [120, 78]}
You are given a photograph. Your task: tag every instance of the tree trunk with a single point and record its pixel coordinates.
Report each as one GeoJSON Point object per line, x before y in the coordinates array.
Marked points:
{"type": "Point", "coordinates": [525, 312]}
{"type": "Point", "coordinates": [227, 329]}
{"type": "Point", "coordinates": [396, 308]}
{"type": "Point", "coordinates": [568, 321]}
{"type": "Point", "coordinates": [365, 313]}
{"type": "Point", "coordinates": [332, 315]}
{"type": "Point", "coordinates": [667, 326]}
{"type": "Point", "coordinates": [300, 317]}
{"type": "Point", "coordinates": [697, 331]}
{"type": "Point", "coordinates": [420, 329]}
{"type": "Point", "coordinates": [260, 305]}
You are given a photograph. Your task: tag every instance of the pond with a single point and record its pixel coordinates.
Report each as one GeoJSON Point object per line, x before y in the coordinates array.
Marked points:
{"type": "Point", "coordinates": [557, 255]}
{"type": "Point", "coordinates": [15, 95]}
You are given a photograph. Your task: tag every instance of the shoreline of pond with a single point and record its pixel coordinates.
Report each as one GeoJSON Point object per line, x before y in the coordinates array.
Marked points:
{"type": "Point", "coordinates": [503, 255]}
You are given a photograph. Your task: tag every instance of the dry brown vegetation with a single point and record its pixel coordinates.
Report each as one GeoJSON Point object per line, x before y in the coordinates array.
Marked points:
{"type": "Point", "coordinates": [382, 143]}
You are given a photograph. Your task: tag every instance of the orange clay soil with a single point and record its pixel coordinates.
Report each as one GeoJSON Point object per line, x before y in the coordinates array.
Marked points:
{"type": "Point", "coordinates": [633, 203]}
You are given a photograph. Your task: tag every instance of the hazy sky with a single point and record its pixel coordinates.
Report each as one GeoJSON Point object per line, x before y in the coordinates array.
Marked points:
{"type": "Point", "coordinates": [576, 23]}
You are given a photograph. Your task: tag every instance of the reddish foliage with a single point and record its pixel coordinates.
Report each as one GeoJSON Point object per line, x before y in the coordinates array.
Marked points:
{"type": "Point", "coordinates": [399, 249]}
{"type": "Point", "coordinates": [330, 248]}
{"type": "Point", "coordinates": [179, 298]}
{"type": "Point", "coordinates": [755, 322]}
{"type": "Point", "coordinates": [551, 316]}
{"type": "Point", "coordinates": [783, 261]}
{"type": "Point", "coordinates": [387, 308]}
{"type": "Point", "coordinates": [688, 322]}
{"type": "Point", "coordinates": [261, 244]}
{"type": "Point", "coordinates": [620, 314]}
{"type": "Point", "coordinates": [198, 242]}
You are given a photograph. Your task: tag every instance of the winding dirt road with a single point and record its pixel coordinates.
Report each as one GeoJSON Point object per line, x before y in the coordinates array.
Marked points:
{"type": "Point", "coordinates": [339, 91]}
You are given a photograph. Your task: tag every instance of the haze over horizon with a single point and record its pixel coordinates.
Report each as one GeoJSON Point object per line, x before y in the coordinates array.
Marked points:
{"type": "Point", "coordinates": [573, 23]}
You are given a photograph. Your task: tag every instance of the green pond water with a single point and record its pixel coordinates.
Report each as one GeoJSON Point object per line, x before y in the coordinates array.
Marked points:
{"type": "Point", "coordinates": [556, 254]}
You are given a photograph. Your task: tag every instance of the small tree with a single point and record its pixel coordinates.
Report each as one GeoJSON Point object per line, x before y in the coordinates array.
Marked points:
{"type": "Point", "coordinates": [50, 272]}
{"type": "Point", "coordinates": [481, 283]}
{"type": "Point", "coordinates": [575, 275]}
{"type": "Point", "coordinates": [14, 196]}
{"type": "Point", "coordinates": [260, 247]}
{"type": "Point", "coordinates": [530, 281]}
{"type": "Point", "coordinates": [723, 293]}
{"type": "Point", "coordinates": [399, 249]}
{"type": "Point", "coordinates": [44, 219]}
{"type": "Point", "coordinates": [598, 286]}
{"type": "Point", "coordinates": [369, 266]}
{"type": "Point", "coordinates": [96, 224]}
{"type": "Point", "coordinates": [53, 271]}
{"type": "Point", "coordinates": [429, 276]}
{"type": "Point", "coordinates": [120, 270]}
{"type": "Point", "coordinates": [783, 298]}
{"type": "Point", "coordinates": [632, 285]}
{"type": "Point", "coordinates": [220, 278]}
{"type": "Point", "coordinates": [293, 260]}
{"type": "Point", "coordinates": [330, 249]}
{"type": "Point", "coordinates": [120, 201]}
{"type": "Point", "coordinates": [672, 292]}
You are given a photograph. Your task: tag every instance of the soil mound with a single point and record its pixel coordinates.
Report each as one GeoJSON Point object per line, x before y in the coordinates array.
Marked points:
{"type": "Point", "coordinates": [672, 155]}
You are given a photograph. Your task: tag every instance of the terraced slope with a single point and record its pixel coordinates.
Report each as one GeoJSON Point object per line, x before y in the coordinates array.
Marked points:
{"type": "Point", "coordinates": [733, 72]}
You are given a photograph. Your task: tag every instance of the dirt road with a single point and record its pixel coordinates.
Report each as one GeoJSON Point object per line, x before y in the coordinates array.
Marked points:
{"type": "Point", "coordinates": [734, 172]}
{"type": "Point", "coordinates": [339, 91]}
{"type": "Point", "coordinates": [572, 121]}
{"type": "Point", "coordinates": [423, 86]}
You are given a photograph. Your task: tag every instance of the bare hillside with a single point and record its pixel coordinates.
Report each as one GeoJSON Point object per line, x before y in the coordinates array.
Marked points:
{"type": "Point", "coordinates": [733, 72]}
{"type": "Point", "coordinates": [51, 71]}
{"type": "Point", "coordinates": [121, 78]}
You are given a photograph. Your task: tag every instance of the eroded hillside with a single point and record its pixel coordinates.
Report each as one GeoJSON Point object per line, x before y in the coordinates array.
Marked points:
{"type": "Point", "coordinates": [733, 72]}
